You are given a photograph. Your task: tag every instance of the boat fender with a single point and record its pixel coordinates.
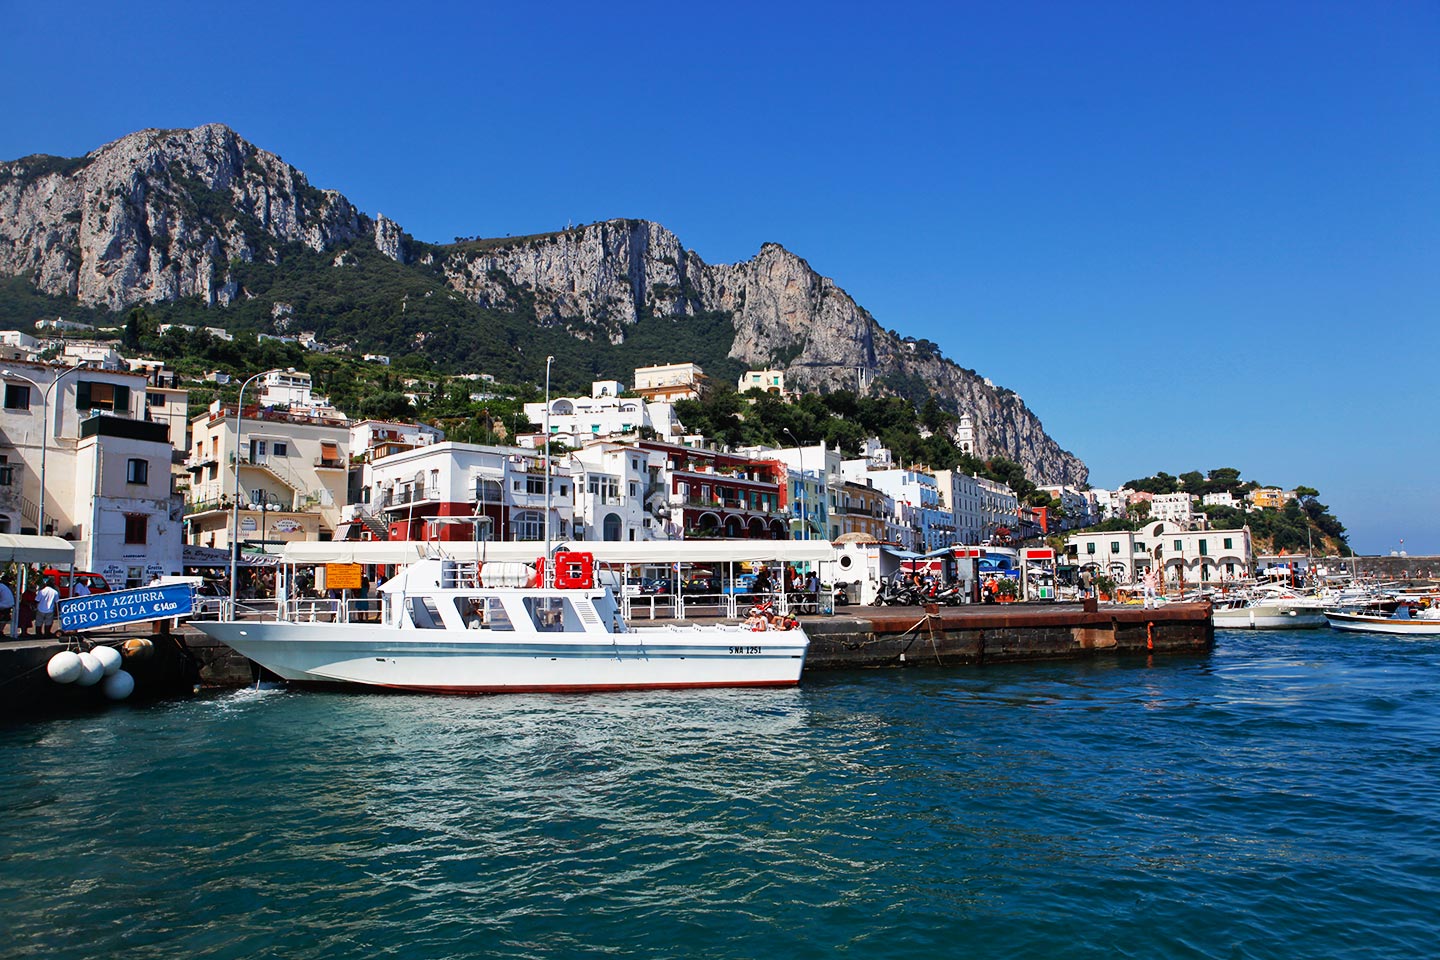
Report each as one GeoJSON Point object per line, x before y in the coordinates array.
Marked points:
{"type": "Point", "coordinates": [65, 667]}
{"type": "Point", "coordinates": [92, 670]}
{"type": "Point", "coordinates": [138, 648]}
{"type": "Point", "coordinates": [118, 685]}
{"type": "Point", "coordinates": [109, 658]}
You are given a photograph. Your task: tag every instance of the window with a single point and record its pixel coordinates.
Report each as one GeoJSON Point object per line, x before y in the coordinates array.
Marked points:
{"type": "Point", "coordinates": [423, 613]}
{"type": "Point", "coordinates": [329, 451]}
{"type": "Point", "coordinates": [1139, 547]}
{"type": "Point", "coordinates": [1089, 548]}
{"type": "Point", "coordinates": [483, 613]}
{"type": "Point", "coordinates": [17, 396]}
{"type": "Point", "coordinates": [154, 399]}
{"type": "Point", "coordinates": [1179, 546]}
{"type": "Point", "coordinates": [550, 614]}
{"type": "Point", "coordinates": [487, 491]}
{"type": "Point", "coordinates": [534, 484]}
{"type": "Point", "coordinates": [1205, 549]}
{"type": "Point", "coordinates": [7, 471]}
{"type": "Point", "coordinates": [280, 449]}
{"type": "Point", "coordinates": [528, 525]}
{"type": "Point", "coordinates": [135, 527]}
{"type": "Point", "coordinates": [90, 395]}
{"type": "Point", "coordinates": [1229, 544]}
{"type": "Point", "coordinates": [1114, 546]}
{"type": "Point", "coordinates": [137, 471]}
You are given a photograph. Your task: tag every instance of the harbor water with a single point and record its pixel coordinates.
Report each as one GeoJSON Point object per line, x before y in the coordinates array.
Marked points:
{"type": "Point", "coordinates": [1276, 798]}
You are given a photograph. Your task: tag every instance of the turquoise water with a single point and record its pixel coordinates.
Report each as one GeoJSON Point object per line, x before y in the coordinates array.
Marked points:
{"type": "Point", "coordinates": [1278, 798]}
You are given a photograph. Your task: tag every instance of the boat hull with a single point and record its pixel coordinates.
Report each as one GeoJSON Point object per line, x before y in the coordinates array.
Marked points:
{"type": "Point", "coordinates": [482, 662]}
{"type": "Point", "coordinates": [1268, 617]}
{"type": "Point", "coordinates": [1364, 623]}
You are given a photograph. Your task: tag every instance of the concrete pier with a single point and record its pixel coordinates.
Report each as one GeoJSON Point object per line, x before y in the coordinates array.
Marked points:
{"type": "Point", "coordinates": [857, 637]}
{"type": "Point", "coordinates": [1002, 633]}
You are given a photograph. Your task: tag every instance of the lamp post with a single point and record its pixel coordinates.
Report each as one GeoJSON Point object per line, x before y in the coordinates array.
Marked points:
{"type": "Point", "coordinates": [804, 514]}
{"type": "Point", "coordinates": [44, 430]}
{"type": "Point", "coordinates": [546, 440]}
{"type": "Point", "coordinates": [235, 503]}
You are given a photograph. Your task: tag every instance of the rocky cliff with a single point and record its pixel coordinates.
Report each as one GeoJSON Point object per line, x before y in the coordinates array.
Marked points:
{"type": "Point", "coordinates": [597, 279]}
{"type": "Point", "coordinates": [161, 214]}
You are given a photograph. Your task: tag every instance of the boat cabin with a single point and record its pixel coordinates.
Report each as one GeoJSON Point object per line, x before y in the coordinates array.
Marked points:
{"type": "Point", "coordinates": [439, 594]}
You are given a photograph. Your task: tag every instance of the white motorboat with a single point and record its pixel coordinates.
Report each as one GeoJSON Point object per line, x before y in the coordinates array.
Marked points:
{"type": "Point", "coordinates": [1423, 624]}
{"type": "Point", "coordinates": [1286, 611]}
{"type": "Point", "coordinates": [456, 628]}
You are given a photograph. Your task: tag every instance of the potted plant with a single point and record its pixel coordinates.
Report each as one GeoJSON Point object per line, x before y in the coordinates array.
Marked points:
{"type": "Point", "coordinates": [1105, 586]}
{"type": "Point", "coordinates": [1006, 590]}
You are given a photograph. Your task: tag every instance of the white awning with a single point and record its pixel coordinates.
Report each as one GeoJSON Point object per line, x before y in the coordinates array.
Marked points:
{"type": "Point", "coordinates": [308, 552]}
{"type": "Point", "coordinates": [24, 548]}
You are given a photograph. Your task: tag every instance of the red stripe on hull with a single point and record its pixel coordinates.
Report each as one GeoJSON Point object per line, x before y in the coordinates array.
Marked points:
{"type": "Point", "coordinates": [583, 688]}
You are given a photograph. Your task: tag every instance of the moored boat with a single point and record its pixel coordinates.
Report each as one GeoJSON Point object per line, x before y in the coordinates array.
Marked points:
{"type": "Point", "coordinates": [448, 627]}
{"type": "Point", "coordinates": [1424, 624]}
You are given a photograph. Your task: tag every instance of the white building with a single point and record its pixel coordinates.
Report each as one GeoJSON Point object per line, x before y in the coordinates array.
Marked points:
{"type": "Point", "coordinates": [671, 381]}
{"type": "Point", "coordinates": [961, 494]}
{"type": "Point", "coordinates": [94, 354]}
{"type": "Point", "coordinates": [620, 493]}
{"type": "Point", "coordinates": [293, 476]}
{"type": "Point", "coordinates": [466, 491]}
{"type": "Point", "coordinates": [1077, 505]}
{"type": "Point", "coordinates": [1179, 507]}
{"type": "Point", "coordinates": [106, 470]}
{"type": "Point", "coordinates": [815, 478]}
{"type": "Point", "coordinates": [999, 511]}
{"type": "Point", "coordinates": [1111, 503]}
{"type": "Point", "coordinates": [923, 524]}
{"type": "Point", "coordinates": [576, 421]}
{"type": "Point", "coordinates": [1222, 499]}
{"type": "Point", "coordinates": [1186, 556]}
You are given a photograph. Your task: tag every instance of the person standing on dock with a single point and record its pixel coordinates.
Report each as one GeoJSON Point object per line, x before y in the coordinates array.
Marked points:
{"type": "Point", "coordinates": [7, 608]}
{"type": "Point", "coordinates": [45, 599]}
{"type": "Point", "coordinates": [1150, 580]}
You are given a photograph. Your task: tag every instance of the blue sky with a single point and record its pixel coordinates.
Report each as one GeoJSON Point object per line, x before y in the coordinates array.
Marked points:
{"type": "Point", "coordinates": [1189, 235]}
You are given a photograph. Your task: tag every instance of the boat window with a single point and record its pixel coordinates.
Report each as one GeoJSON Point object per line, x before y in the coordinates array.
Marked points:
{"type": "Point", "coordinates": [483, 613]}
{"type": "Point", "coordinates": [552, 614]}
{"type": "Point", "coordinates": [423, 613]}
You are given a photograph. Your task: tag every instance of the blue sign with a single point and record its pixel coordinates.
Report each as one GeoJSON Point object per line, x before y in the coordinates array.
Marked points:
{"type": "Point", "coordinates": [126, 606]}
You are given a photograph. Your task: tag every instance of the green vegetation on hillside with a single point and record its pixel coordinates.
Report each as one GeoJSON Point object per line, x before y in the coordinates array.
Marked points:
{"type": "Point", "coordinates": [1303, 523]}
{"type": "Point", "coordinates": [372, 304]}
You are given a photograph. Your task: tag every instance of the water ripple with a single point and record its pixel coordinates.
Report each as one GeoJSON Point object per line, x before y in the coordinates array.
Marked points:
{"type": "Point", "coordinates": [1274, 799]}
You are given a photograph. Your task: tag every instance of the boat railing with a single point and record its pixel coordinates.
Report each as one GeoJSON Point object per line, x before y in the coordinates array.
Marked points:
{"type": "Point", "coordinates": [223, 608]}
{"type": "Point", "coordinates": [732, 606]}
{"type": "Point", "coordinates": [331, 610]}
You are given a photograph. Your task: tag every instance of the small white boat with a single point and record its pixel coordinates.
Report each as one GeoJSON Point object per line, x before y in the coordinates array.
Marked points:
{"type": "Point", "coordinates": [456, 628]}
{"type": "Point", "coordinates": [1285, 611]}
{"type": "Point", "coordinates": [1424, 624]}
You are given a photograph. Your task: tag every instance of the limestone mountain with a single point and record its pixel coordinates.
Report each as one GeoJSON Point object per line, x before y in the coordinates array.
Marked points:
{"type": "Point", "coordinates": [170, 216]}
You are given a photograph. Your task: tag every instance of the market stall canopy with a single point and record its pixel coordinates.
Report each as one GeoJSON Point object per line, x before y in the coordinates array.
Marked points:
{"type": "Point", "coordinates": [901, 553]}
{"type": "Point", "coordinates": [24, 548]}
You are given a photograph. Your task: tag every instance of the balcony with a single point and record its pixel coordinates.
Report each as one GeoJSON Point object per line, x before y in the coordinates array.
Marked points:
{"type": "Point", "coordinates": [330, 463]}
{"type": "Point", "coordinates": [408, 496]}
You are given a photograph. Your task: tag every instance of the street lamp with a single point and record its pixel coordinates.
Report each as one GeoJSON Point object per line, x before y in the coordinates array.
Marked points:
{"type": "Point", "coordinates": [804, 514]}
{"type": "Point", "coordinates": [44, 429]}
{"type": "Point", "coordinates": [546, 439]}
{"type": "Point", "coordinates": [235, 504]}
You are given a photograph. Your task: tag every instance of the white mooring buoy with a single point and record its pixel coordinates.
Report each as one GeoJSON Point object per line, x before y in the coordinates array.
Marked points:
{"type": "Point", "coordinates": [118, 685]}
{"type": "Point", "coordinates": [109, 658]}
{"type": "Point", "coordinates": [65, 667]}
{"type": "Point", "coordinates": [91, 670]}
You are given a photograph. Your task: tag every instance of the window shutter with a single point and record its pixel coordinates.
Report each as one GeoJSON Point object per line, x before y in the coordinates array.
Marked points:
{"type": "Point", "coordinates": [82, 395]}
{"type": "Point", "coordinates": [122, 399]}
